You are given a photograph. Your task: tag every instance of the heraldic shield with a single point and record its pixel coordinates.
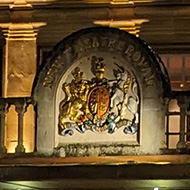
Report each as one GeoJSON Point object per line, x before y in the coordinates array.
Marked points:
{"type": "Point", "coordinates": [99, 104]}
{"type": "Point", "coordinates": [98, 101]}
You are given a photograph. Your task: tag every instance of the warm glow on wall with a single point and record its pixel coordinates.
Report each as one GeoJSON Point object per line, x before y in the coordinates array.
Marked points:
{"type": "Point", "coordinates": [28, 130]}
{"type": "Point", "coordinates": [11, 130]}
{"type": "Point", "coordinates": [11, 147]}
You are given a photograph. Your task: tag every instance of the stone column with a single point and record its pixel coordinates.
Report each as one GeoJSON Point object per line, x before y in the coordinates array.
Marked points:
{"type": "Point", "coordinates": [162, 118]}
{"type": "Point", "coordinates": [19, 58]}
{"type": "Point", "coordinates": [20, 107]}
{"type": "Point", "coordinates": [3, 111]}
{"type": "Point", "coordinates": [183, 103]}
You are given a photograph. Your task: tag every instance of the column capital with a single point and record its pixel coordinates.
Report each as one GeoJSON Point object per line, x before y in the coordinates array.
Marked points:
{"type": "Point", "coordinates": [20, 4]}
{"type": "Point", "coordinates": [3, 106]}
{"type": "Point", "coordinates": [132, 26]}
{"type": "Point", "coordinates": [21, 106]}
{"type": "Point", "coordinates": [21, 31]}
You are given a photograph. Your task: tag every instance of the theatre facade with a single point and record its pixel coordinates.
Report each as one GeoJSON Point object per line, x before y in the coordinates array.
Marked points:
{"type": "Point", "coordinates": [89, 94]}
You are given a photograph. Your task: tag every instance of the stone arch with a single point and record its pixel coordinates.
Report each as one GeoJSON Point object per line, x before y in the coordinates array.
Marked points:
{"type": "Point", "coordinates": [114, 44]}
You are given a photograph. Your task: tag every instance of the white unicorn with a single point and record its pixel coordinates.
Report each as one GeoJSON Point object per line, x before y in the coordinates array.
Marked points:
{"type": "Point", "coordinates": [125, 98]}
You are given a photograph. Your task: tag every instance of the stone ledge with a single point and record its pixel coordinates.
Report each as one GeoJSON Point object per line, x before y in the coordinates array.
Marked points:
{"type": "Point", "coordinates": [33, 161]}
{"type": "Point", "coordinates": [95, 172]}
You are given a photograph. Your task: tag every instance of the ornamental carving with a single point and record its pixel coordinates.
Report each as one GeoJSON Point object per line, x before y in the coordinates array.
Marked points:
{"type": "Point", "coordinates": [99, 104]}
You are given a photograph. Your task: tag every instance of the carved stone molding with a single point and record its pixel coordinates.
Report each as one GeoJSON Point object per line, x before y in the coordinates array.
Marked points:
{"type": "Point", "coordinates": [132, 26]}
{"type": "Point", "coordinates": [21, 106]}
{"type": "Point", "coordinates": [21, 31]}
{"type": "Point", "coordinates": [20, 4]}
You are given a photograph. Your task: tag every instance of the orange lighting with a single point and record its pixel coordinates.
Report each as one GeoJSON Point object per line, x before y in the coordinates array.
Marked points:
{"type": "Point", "coordinates": [181, 85]}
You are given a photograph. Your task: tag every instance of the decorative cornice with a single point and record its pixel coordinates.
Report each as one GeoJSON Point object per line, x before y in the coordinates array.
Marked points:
{"type": "Point", "coordinates": [21, 31]}
{"type": "Point", "coordinates": [132, 26]}
{"type": "Point", "coordinates": [20, 4]}
{"type": "Point", "coordinates": [30, 3]}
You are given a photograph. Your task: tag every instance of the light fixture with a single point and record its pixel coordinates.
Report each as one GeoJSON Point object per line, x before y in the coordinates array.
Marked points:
{"type": "Point", "coordinates": [181, 85]}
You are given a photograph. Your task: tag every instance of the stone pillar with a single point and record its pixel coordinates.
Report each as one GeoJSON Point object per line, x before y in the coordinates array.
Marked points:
{"type": "Point", "coordinates": [183, 103]}
{"type": "Point", "coordinates": [162, 118]}
{"type": "Point", "coordinates": [20, 107]}
{"type": "Point", "coordinates": [20, 61]}
{"type": "Point", "coordinates": [19, 58]}
{"type": "Point", "coordinates": [3, 111]}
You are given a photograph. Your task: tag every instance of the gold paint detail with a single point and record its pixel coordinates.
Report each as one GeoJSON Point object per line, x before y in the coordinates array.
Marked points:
{"type": "Point", "coordinates": [73, 105]}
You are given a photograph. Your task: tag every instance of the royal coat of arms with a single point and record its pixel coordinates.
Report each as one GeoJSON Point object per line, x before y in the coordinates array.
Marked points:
{"type": "Point", "coordinates": [99, 104]}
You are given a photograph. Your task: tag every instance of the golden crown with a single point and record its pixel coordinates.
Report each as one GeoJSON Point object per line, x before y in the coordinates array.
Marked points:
{"type": "Point", "coordinates": [100, 66]}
